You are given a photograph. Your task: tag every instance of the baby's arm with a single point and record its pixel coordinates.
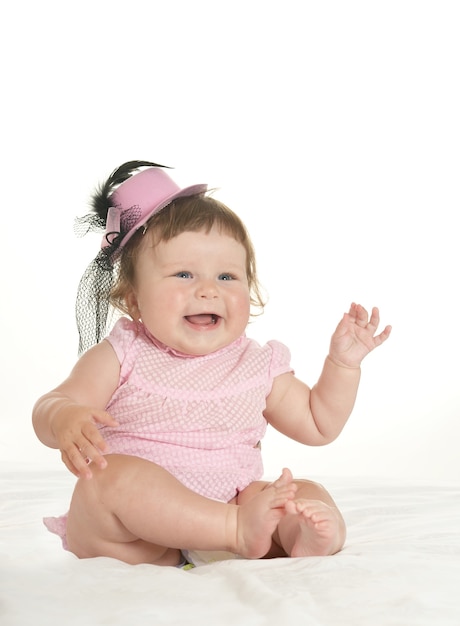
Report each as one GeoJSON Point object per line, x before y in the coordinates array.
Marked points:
{"type": "Point", "coordinates": [317, 416]}
{"type": "Point", "coordinates": [66, 417]}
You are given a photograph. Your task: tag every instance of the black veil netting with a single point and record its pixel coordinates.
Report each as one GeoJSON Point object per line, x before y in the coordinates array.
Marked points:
{"type": "Point", "coordinates": [92, 305]}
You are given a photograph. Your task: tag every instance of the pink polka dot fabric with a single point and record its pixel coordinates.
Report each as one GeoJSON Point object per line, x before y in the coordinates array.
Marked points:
{"type": "Point", "coordinates": [199, 417]}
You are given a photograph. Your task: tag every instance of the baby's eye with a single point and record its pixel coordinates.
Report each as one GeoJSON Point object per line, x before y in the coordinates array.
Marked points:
{"type": "Point", "coordinates": [226, 277]}
{"type": "Point", "coordinates": [183, 275]}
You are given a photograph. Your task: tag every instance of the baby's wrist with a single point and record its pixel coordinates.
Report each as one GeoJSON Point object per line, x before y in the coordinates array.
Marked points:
{"type": "Point", "coordinates": [339, 363]}
{"type": "Point", "coordinates": [58, 415]}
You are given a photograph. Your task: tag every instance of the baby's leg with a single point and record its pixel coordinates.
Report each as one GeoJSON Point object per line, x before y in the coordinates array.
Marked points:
{"type": "Point", "coordinates": [138, 512]}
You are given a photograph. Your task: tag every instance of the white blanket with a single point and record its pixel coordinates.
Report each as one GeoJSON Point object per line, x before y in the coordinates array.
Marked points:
{"type": "Point", "coordinates": [400, 566]}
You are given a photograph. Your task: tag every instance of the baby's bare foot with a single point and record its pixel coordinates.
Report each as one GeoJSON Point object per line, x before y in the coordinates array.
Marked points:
{"type": "Point", "coordinates": [320, 530]}
{"type": "Point", "coordinates": [258, 518]}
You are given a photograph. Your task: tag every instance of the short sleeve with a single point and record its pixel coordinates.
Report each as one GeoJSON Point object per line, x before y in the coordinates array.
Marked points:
{"type": "Point", "coordinates": [281, 359]}
{"type": "Point", "coordinates": [122, 337]}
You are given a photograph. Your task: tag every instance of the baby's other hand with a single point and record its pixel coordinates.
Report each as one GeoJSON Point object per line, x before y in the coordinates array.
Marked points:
{"type": "Point", "coordinates": [79, 439]}
{"type": "Point", "coordinates": [355, 336]}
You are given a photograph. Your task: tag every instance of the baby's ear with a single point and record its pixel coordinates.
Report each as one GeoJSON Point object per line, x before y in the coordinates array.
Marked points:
{"type": "Point", "coordinates": [132, 306]}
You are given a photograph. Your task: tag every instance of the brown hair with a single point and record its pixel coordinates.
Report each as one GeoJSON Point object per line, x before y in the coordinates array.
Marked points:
{"type": "Point", "coordinates": [193, 213]}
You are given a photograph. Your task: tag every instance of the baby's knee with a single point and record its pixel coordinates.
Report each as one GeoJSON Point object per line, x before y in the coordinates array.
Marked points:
{"type": "Point", "coordinates": [311, 489]}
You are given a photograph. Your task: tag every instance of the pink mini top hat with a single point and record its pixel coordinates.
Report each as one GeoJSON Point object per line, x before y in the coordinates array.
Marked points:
{"type": "Point", "coordinates": [138, 198]}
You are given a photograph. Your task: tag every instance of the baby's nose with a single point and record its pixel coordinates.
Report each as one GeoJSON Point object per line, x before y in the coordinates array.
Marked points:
{"type": "Point", "coordinates": [207, 289]}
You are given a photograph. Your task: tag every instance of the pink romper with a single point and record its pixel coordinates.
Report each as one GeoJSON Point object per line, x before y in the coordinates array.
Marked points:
{"type": "Point", "coordinates": [199, 417]}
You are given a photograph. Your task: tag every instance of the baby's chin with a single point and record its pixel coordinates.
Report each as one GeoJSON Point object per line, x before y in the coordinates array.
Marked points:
{"type": "Point", "coordinates": [201, 347]}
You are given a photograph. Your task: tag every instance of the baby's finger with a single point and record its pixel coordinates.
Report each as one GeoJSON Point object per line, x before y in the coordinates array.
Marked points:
{"type": "Point", "coordinates": [375, 318]}
{"type": "Point", "coordinates": [102, 417]}
{"type": "Point", "coordinates": [93, 435]}
{"type": "Point", "coordinates": [379, 339]}
{"type": "Point", "coordinates": [352, 313]}
{"type": "Point", "coordinates": [73, 467]}
{"type": "Point", "coordinates": [362, 316]}
{"type": "Point", "coordinates": [89, 451]}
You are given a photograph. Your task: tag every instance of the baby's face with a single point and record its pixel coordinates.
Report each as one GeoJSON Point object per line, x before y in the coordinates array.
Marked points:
{"type": "Point", "coordinates": [192, 291]}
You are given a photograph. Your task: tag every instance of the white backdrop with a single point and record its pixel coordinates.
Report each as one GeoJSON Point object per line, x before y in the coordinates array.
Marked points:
{"type": "Point", "coordinates": [332, 128]}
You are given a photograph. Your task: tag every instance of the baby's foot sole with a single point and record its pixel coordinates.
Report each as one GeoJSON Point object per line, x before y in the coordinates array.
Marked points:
{"type": "Point", "coordinates": [320, 528]}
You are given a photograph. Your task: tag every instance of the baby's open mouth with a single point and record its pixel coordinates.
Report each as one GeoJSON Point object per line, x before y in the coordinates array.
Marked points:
{"type": "Point", "coordinates": [203, 319]}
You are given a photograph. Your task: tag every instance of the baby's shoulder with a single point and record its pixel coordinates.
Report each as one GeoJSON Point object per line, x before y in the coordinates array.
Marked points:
{"type": "Point", "coordinates": [123, 335]}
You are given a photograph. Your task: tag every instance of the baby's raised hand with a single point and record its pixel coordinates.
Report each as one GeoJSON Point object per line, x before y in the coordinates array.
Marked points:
{"type": "Point", "coordinates": [355, 336]}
